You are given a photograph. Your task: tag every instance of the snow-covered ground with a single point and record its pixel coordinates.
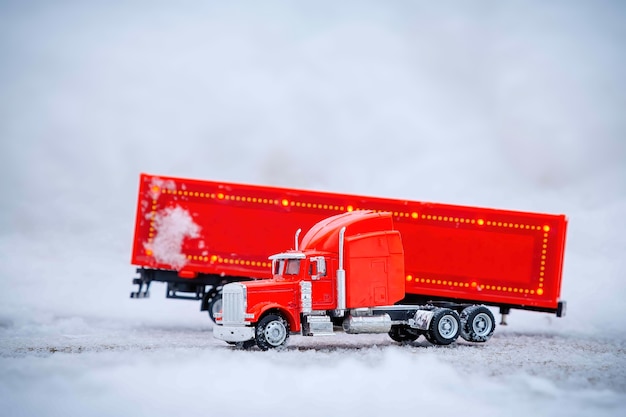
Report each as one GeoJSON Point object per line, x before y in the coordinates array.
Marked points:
{"type": "Point", "coordinates": [514, 105]}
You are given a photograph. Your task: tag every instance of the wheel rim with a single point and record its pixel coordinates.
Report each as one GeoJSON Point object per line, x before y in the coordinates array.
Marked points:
{"type": "Point", "coordinates": [448, 327]}
{"type": "Point", "coordinates": [482, 324]}
{"type": "Point", "coordinates": [275, 333]}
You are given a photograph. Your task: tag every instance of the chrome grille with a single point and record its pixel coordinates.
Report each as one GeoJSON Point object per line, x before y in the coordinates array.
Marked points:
{"type": "Point", "coordinates": [233, 303]}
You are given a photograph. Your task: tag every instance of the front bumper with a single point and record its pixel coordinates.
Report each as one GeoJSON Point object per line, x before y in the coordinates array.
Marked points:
{"type": "Point", "coordinates": [233, 333]}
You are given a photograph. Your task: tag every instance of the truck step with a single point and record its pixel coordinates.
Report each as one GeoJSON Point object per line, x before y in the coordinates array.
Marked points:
{"type": "Point", "coordinates": [317, 326]}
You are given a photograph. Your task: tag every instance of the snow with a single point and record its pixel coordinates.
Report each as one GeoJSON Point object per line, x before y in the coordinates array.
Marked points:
{"type": "Point", "coordinates": [172, 226]}
{"type": "Point", "coordinates": [516, 105]}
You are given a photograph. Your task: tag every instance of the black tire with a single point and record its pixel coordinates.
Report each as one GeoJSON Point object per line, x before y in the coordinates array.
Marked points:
{"type": "Point", "coordinates": [272, 332]}
{"type": "Point", "coordinates": [445, 327]}
{"type": "Point", "coordinates": [403, 334]}
{"type": "Point", "coordinates": [477, 324]}
{"type": "Point", "coordinates": [215, 306]}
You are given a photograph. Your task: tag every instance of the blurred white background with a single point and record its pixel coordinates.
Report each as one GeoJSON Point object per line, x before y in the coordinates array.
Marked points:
{"type": "Point", "coordinates": [515, 105]}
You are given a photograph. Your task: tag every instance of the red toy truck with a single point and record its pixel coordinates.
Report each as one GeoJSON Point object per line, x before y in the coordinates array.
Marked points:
{"type": "Point", "coordinates": [198, 236]}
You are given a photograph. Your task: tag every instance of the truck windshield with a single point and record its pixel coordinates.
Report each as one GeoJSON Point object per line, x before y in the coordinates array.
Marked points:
{"type": "Point", "coordinates": [287, 267]}
{"type": "Point", "coordinates": [293, 267]}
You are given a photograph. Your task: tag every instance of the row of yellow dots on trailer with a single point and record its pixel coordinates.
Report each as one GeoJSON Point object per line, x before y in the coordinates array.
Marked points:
{"type": "Point", "coordinates": [152, 229]}
{"type": "Point", "coordinates": [451, 283]}
{"type": "Point", "coordinates": [483, 222]}
{"type": "Point", "coordinates": [542, 267]}
{"type": "Point", "coordinates": [219, 259]}
{"type": "Point", "coordinates": [283, 202]}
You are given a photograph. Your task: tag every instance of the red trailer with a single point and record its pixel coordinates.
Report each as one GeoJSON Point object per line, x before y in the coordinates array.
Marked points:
{"type": "Point", "coordinates": [196, 236]}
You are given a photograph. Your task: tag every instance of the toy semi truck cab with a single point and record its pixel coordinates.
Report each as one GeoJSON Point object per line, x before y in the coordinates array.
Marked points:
{"type": "Point", "coordinates": [348, 274]}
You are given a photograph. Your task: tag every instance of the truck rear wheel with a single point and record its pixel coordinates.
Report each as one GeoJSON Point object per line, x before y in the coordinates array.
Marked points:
{"type": "Point", "coordinates": [272, 332]}
{"type": "Point", "coordinates": [403, 334]}
{"type": "Point", "coordinates": [444, 328]}
{"type": "Point", "coordinates": [477, 324]}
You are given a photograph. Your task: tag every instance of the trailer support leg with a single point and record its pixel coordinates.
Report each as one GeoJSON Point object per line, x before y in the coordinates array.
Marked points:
{"type": "Point", "coordinates": [139, 293]}
{"type": "Point", "coordinates": [504, 311]}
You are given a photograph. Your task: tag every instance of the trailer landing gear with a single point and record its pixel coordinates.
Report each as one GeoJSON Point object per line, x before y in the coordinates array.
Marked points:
{"type": "Point", "coordinates": [139, 293]}
{"type": "Point", "coordinates": [504, 311]}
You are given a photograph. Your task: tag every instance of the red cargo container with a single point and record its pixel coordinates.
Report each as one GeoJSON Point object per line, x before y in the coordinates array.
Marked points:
{"type": "Point", "coordinates": [198, 235]}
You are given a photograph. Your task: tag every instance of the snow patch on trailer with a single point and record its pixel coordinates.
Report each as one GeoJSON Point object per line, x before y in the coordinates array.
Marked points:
{"type": "Point", "coordinates": [157, 185]}
{"type": "Point", "coordinates": [173, 225]}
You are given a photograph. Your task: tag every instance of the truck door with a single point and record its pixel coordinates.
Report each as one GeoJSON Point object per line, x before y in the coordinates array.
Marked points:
{"type": "Point", "coordinates": [322, 284]}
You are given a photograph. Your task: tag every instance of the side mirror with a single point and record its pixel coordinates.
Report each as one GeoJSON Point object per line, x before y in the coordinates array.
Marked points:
{"type": "Point", "coordinates": [320, 267]}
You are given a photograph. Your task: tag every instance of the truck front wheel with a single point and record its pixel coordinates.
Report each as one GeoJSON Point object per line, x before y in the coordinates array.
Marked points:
{"type": "Point", "coordinates": [445, 327]}
{"type": "Point", "coordinates": [272, 332]}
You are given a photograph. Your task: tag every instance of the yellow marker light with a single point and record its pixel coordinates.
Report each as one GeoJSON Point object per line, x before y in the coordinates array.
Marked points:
{"type": "Point", "coordinates": [409, 277]}
{"type": "Point", "coordinates": [285, 202]}
{"type": "Point", "coordinates": [149, 252]}
{"type": "Point", "coordinates": [414, 215]}
{"type": "Point", "coordinates": [546, 228]}
{"type": "Point", "coordinates": [155, 188]}
{"type": "Point", "coordinates": [349, 208]}
{"type": "Point", "coordinates": [474, 284]}
{"type": "Point", "coordinates": [480, 222]}
{"type": "Point", "coordinates": [220, 196]}
{"type": "Point", "coordinates": [539, 291]}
